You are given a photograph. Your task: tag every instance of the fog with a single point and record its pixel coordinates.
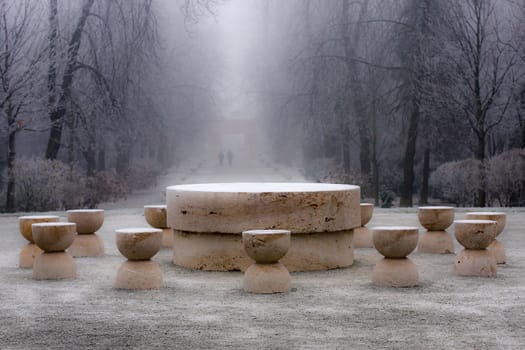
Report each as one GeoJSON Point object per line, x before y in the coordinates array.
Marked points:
{"type": "Point", "coordinates": [416, 101]}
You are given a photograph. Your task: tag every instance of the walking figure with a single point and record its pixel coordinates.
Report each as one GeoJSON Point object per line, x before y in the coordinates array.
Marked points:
{"type": "Point", "coordinates": [230, 157]}
{"type": "Point", "coordinates": [221, 157]}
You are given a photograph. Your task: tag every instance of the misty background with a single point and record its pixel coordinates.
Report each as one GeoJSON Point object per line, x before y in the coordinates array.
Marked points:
{"type": "Point", "coordinates": [416, 101]}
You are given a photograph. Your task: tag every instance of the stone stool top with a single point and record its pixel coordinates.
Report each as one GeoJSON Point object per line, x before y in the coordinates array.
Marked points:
{"type": "Point", "coordinates": [87, 220]}
{"type": "Point", "coordinates": [139, 243]}
{"type": "Point", "coordinates": [395, 242]}
{"type": "Point", "coordinates": [436, 218]}
{"type": "Point", "coordinates": [54, 236]}
{"type": "Point", "coordinates": [367, 210]}
{"type": "Point", "coordinates": [499, 217]}
{"type": "Point", "coordinates": [156, 215]}
{"type": "Point", "coordinates": [25, 223]}
{"type": "Point", "coordinates": [266, 246]}
{"type": "Point", "coordinates": [475, 234]}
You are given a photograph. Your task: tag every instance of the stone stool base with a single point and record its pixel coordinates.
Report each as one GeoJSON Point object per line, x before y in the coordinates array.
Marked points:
{"type": "Point", "coordinates": [436, 242]}
{"type": "Point", "coordinates": [139, 275]}
{"type": "Point", "coordinates": [363, 238]}
{"type": "Point", "coordinates": [225, 252]}
{"type": "Point", "coordinates": [167, 238]}
{"type": "Point", "coordinates": [395, 273]}
{"type": "Point", "coordinates": [27, 256]}
{"type": "Point", "coordinates": [475, 263]}
{"type": "Point", "coordinates": [266, 279]}
{"type": "Point", "coordinates": [86, 245]}
{"type": "Point", "coordinates": [498, 250]}
{"type": "Point", "coordinates": [54, 266]}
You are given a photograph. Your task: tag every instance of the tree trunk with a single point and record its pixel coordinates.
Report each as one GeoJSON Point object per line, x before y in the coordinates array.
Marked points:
{"type": "Point", "coordinates": [101, 159]}
{"type": "Point", "coordinates": [10, 202]}
{"type": "Point", "coordinates": [423, 194]}
{"type": "Point", "coordinates": [57, 114]}
{"type": "Point", "coordinates": [409, 158]}
{"type": "Point", "coordinates": [481, 199]}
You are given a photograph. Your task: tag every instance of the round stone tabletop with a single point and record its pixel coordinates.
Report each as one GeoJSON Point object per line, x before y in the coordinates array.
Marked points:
{"type": "Point", "coordinates": [237, 207]}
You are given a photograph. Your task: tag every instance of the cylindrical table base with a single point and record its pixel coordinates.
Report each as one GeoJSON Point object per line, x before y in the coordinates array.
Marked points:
{"type": "Point", "coordinates": [224, 252]}
{"type": "Point", "coordinates": [167, 238]}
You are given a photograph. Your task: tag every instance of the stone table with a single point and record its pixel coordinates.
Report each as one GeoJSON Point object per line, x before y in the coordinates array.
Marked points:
{"type": "Point", "coordinates": [208, 221]}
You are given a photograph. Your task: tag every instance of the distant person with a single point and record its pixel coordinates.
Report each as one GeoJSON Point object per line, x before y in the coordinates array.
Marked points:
{"type": "Point", "coordinates": [230, 157]}
{"type": "Point", "coordinates": [221, 157]}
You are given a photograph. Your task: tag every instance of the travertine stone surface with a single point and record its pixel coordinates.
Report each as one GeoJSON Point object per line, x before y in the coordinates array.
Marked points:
{"type": "Point", "coordinates": [224, 252]}
{"type": "Point", "coordinates": [475, 263]}
{"type": "Point", "coordinates": [497, 249]}
{"type": "Point", "coordinates": [54, 266]}
{"type": "Point", "coordinates": [435, 242]}
{"type": "Point", "coordinates": [266, 279]}
{"type": "Point", "coordinates": [436, 218]}
{"type": "Point", "coordinates": [87, 220]}
{"type": "Point", "coordinates": [140, 243]}
{"type": "Point", "coordinates": [27, 255]}
{"type": "Point", "coordinates": [266, 246]}
{"type": "Point", "coordinates": [54, 236]}
{"type": "Point", "coordinates": [139, 275]}
{"type": "Point", "coordinates": [395, 241]}
{"type": "Point", "coordinates": [25, 223]}
{"type": "Point", "coordinates": [499, 217]}
{"type": "Point", "coordinates": [475, 234]}
{"type": "Point", "coordinates": [363, 238]}
{"type": "Point", "coordinates": [87, 245]}
{"type": "Point", "coordinates": [322, 216]}
{"type": "Point", "coordinates": [234, 207]}
{"type": "Point", "coordinates": [395, 273]}
{"type": "Point", "coordinates": [367, 210]}
{"type": "Point", "coordinates": [167, 238]}
{"type": "Point", "coordinates": [362, 235]}
{"type": "Point", "coordinates": [156, 215]}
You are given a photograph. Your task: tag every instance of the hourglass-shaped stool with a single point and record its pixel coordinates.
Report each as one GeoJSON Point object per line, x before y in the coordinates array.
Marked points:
{"type": "Point", "coordinates": [436, 220]}
{"type": "Point", "coordinates": [31, 251]}
{"type": "Point", "coordinates": [266, 247]}
{"type": "Point", "coordinates": [362, 235]}
{"type": "Point", "coordinates": [496, 247]}
{"type": "Point", "coordinates": [475, 259]}
{"type": "Point", "coordinates": [156, 216]}
{"type": "Point", "coordinates": [87, 242]}
{"type": "Point", "coordinates": [395, 243]}
{"type": "Point", "coordinates": [139, 245]}
{"type": "Point", "coordinates": [54, 238]}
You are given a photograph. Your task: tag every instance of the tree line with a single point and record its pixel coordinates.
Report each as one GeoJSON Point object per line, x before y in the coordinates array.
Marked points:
{"type": "Point", "coordinates": [382, 93]}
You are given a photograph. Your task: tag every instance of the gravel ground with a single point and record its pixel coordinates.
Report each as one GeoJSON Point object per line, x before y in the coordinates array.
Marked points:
{"type": "Point", "coordinates": [203, 310]}
{"type": "Point", "coordinates": [337, 309]}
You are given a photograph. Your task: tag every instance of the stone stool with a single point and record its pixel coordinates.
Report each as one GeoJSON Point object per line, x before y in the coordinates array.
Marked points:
{"type": "Point", "coordinates": [139, 245]}
{"type": "Point", "coordinates": [87, 242]}
{"type": "Point", "coordinates": [54, 238]}
{"type": "Point", "coordinates": [436, 220]}
{"type": "Point", "coordinates": [156, 216]}
{"type": "Point", "coordinates": [496, 247]}
{"type": "Point", "coordinates": [395, 243]}
{"type": "Point", "coordinates": [31, 250]}
{"type": "Point", "coordinates": [475, 236]}
{"type": "Point", "coordinates": [362, 235]}
{"type": "Point", "coordinates": [267, 275]}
